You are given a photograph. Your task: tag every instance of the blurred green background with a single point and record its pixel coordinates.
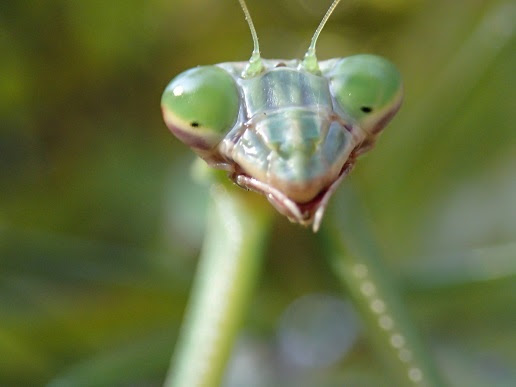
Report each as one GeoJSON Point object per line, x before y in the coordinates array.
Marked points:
{"type": "Point", "coordinates": [101, 223]}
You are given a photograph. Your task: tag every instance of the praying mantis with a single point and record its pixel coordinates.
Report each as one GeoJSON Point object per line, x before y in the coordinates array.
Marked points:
{"type": "Point", "coordinates": [291, 130]}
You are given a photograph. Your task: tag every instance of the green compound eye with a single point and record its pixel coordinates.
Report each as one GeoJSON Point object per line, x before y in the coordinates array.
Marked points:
{"type": "Point", "coordinates": [367, 89]}
{"type": "Point", "coordinates": [200, 106]}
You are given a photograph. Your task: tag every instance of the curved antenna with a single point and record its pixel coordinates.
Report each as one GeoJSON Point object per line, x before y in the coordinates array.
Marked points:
{"type": "Point", "coordinates": [310, 59]}
{"type": "Point", "coordinates": [255, 65]}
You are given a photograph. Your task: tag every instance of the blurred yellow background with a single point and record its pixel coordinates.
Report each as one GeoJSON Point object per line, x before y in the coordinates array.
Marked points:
{"type": "Point", "coordinates": [100, 222]}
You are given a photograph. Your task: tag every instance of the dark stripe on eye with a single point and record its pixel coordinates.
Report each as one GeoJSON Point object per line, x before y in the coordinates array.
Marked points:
{"type": "Point", "coordinates": [385, 120]}
{"type": "Point", "coordinates": [189, 139]}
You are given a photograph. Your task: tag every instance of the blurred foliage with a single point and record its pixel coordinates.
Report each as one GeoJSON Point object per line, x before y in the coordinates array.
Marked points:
{"type": "Point", "coordinates": [100, 222]}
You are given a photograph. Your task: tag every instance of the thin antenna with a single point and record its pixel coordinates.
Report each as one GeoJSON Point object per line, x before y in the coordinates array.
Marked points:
{"type": "Point", "coordinates": [255, 65]}
{"type": "Point", "coordinates": [310, 60]}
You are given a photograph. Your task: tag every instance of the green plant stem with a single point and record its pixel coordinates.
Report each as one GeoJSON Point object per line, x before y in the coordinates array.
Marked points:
{"type": "Point", "coordinates": [357, 263]}
{"type": "Point", "coordinates": [228, 268]}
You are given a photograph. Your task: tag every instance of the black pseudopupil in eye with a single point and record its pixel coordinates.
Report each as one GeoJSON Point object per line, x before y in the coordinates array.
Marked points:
{"type": "Point", "coordinates": [366, 109]}
{"type": "Point", "coordinates": [195, 124]}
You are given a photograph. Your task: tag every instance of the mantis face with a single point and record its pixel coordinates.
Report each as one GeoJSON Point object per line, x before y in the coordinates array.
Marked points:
{"type": "Point", "coordinates": [287, 133]}
{"type": "Point", "coordinates": [289, 129]}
